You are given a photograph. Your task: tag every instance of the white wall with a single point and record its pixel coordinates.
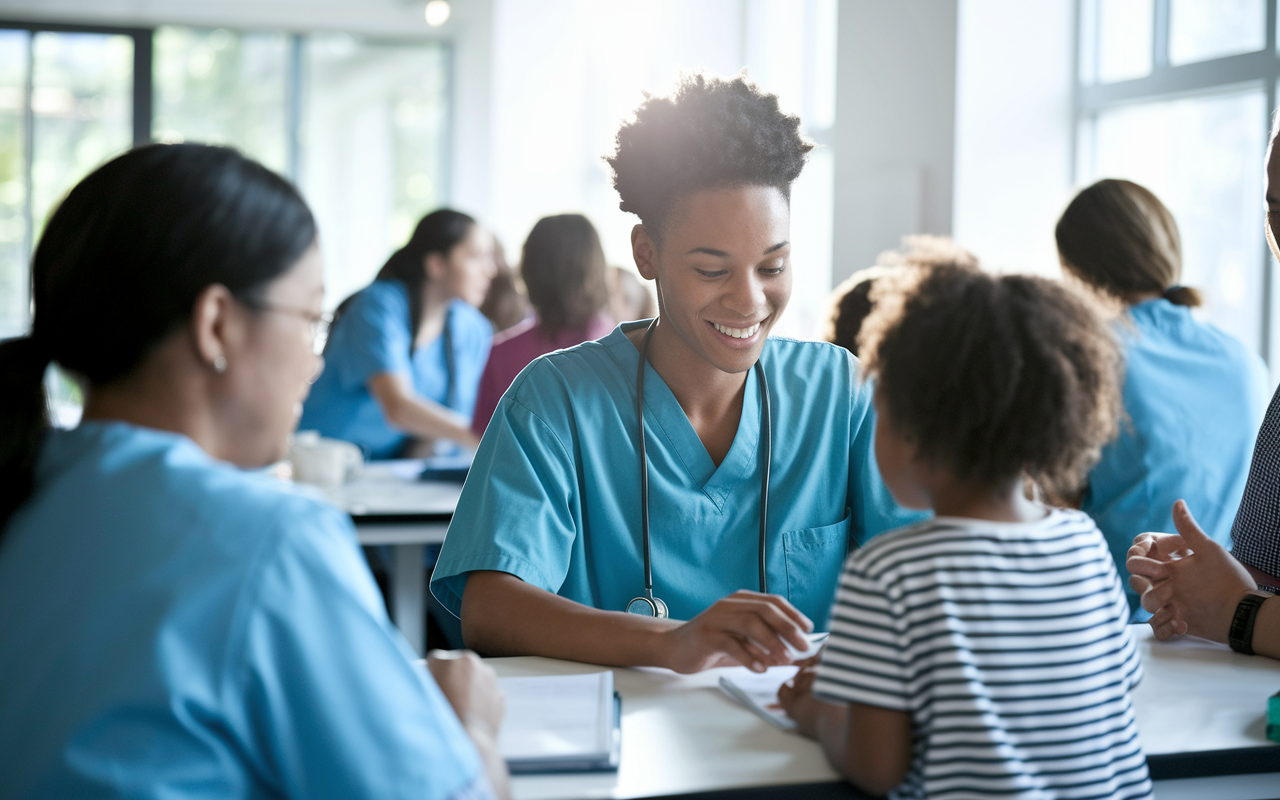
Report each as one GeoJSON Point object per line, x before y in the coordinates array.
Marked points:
{"type": "Point", "coordinates": [1013, 171]}
{"type": "Point", "coordinates": [894, 134]}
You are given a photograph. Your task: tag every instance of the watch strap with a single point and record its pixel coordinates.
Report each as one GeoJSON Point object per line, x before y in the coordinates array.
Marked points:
{"type": "Point", "coordinates": [1240, 634]}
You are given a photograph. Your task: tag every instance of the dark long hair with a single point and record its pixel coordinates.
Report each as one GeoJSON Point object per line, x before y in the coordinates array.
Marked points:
{"type": "Point", "coordinates": [564, 272]}
{"type": "Point", "coordinates": [438, 232]}
{"type": "Point", "coordinates": [120, 266]}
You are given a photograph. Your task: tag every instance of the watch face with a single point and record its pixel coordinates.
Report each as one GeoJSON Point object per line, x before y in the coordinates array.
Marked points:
{"type": "Point", "coordinates": [642, 606]}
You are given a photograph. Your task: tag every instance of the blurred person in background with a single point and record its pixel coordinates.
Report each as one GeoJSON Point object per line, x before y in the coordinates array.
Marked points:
{"type": "Point", "coordinates": [564, 272]}
{"type": "Point", "coordinates": [1193, 394]}
{"type": "Point", "coordinates": [177, 623]}
{"type": "Point", "coordinates": [629, 300]}
{"type": "Point", "coordinates": [505, 304]}
{"type": "Point", "coordinates": [405, 354]}
{"type": "Point", "coordinates": [851, 301]}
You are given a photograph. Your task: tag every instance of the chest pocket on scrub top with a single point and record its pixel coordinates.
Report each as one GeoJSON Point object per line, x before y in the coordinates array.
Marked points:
{"type": "Point", "coordinates": [814, 558]}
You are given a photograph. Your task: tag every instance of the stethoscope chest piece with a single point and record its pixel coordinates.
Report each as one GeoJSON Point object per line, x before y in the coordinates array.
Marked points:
{"type": "Point", "coordinates": [648, 607]}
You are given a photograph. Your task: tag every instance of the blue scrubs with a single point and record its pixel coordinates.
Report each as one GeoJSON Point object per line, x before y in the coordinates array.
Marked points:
{"type": "Point", "coordinates": [171, 626]}
{"type": "Point", "coordinates": [373, 337]}
{"type": "Point", "coordinates": [1195, 397]}
{"type": "Point", "coordinates": [553, 496]}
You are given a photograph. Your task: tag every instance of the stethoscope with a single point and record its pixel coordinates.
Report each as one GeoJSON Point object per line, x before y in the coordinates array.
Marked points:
{"type": "Point", "coordinates": [651, 606]}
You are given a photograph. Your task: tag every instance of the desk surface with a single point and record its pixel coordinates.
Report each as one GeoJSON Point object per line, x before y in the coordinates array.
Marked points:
{"type": "Point", "coordinates": [389, 491]}
{"type": "Point", "coordinates": [1199, 705]}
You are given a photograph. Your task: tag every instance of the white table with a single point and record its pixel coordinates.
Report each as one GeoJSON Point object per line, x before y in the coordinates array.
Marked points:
{"type": "Point", "coordinates": [390, 506]}
{"type": "Point", "coordinates": [1200, 709]}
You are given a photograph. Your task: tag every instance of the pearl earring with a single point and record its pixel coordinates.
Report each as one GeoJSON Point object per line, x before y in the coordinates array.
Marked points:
{"type": "Point", "coordinates": [219, 364]}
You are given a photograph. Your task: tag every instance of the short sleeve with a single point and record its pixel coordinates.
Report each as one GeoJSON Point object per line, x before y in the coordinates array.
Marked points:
{"type": "Point", "coordinates": [874, 509]}
{"type": "Point", "coordinates": [372, 337]}
{"type": "Point", "coordinates": [333, 705]}
{"type": "Point", "coordinates": [1255, 534]}
{"type": "Point", "coordinates": [519, 511]}
{"type": "Point", "coordinates": [865, 660]}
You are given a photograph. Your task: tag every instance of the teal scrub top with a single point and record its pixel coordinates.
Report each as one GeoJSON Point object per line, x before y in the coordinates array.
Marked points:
{"type": "Point", "coordinates": [373, 337]}
{"type": "Point", "coordinates": [173, 627]}
{"type": "Point", "coordinates": [1194, 397]}
{"type": "Point", "coordinates": [553, 496]}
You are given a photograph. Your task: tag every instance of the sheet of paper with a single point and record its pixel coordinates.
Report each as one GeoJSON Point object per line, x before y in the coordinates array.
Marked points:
{"type": "Point", "coordinates": [557, 715]}
{"type": "Point", "coordinates": [758, 691]}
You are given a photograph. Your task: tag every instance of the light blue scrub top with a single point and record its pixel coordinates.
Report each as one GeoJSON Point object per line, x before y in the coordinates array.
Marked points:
{"type": "Point", "coordinates": [373, 337]}
{"type": "Point", "coordinates": [553, 496]}
{"type": "Point", "coordinates": [1195, 397]}
{"type": "Point", "coordinates": [171, 626]}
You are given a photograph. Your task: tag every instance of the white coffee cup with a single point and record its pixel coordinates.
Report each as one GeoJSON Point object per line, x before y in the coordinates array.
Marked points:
{"type": "Point", "coordinates": [327, 463]}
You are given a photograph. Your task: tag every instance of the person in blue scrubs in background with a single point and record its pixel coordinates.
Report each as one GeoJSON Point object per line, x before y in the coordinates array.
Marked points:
{"type": "Point", "coordinates": [1195, 396]}
{"type": "Point", "coordinates": [544, 554]}
{"type": "Point", "coordinates": [405, 354]}
{"type": "Point", "coordinates": [173, 623]}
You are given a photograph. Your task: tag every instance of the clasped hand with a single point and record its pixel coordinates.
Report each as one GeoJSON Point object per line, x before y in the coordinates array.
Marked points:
{"type": "Point", "coordinates": [1189, 582]}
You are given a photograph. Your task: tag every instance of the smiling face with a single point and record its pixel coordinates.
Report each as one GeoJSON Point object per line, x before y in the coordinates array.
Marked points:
{"type": "Point", "coordinates": [723, 273]}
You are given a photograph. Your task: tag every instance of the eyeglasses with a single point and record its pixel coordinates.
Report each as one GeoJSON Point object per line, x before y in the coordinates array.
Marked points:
{"type": "Point", "coordinates": [320, 323]}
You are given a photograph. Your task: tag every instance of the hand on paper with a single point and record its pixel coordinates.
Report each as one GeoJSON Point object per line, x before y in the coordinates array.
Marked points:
{"type": "Point", "coordinates": [1189, 582]}
{"type": "Point", "coordinates": [746, 628]}
{"type": "Point", "coordinates": [796, 698]}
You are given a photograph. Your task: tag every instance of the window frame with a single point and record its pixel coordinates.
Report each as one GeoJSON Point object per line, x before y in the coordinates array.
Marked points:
{"type": "Point", "coordinates": [1258, 69]}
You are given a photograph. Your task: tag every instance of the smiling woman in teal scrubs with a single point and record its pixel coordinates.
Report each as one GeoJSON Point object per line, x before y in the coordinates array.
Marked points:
{"type": "Point", "coordinates": [404, 358]}
{"type": "Point", "coordinates": [174, 622]}
{"type": "Point", "coordinates": [546, 553]}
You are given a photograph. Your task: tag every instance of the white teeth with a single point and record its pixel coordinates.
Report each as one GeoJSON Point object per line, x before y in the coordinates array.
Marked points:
{"type": "Point", "coordinates": [737, 333]}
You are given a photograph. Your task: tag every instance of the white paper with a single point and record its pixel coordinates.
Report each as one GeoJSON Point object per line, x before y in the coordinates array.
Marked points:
{"type": "Point", "coordinates": [555, 716]}
{"type": "Point", "coordinates": [758, 691]}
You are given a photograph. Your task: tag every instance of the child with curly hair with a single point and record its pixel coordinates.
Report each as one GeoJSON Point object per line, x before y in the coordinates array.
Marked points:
{"type": "Point", "coordinates": [983, 652]}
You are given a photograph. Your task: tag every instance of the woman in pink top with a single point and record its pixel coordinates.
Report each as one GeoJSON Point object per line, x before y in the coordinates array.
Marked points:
{"type": "Point", "coordinates": [564, 272]}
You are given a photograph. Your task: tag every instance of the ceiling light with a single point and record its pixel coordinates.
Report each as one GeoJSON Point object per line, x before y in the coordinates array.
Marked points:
{"type": "Point", "coordinates": [438, 13]}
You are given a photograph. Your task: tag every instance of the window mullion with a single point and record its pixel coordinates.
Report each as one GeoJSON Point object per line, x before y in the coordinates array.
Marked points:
{"type": "Point", "coordinates": [1160, 37]}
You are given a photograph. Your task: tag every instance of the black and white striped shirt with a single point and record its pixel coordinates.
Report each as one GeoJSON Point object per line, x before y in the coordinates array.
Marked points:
{"type": "Point", "coordinates": [1007, 645]}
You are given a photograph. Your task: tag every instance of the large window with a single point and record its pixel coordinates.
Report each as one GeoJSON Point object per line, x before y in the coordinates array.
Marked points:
{"type": "Point", "coordinates": [359, 124]}
{"type": "Point", "coordinates": [68, 100]}
{"type": "Point", "coordinates": [1176, 95]}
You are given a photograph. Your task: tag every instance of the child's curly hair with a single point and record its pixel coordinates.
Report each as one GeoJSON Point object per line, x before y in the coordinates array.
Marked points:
{"type": "Point", "coordinates": [994, 377]}
{"type": "Point", "coordinates": [711, 133]}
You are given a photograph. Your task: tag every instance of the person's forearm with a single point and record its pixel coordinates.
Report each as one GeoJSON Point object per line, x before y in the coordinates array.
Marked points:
{"type": "Point", "coordinates": [424, 418]}
{"type": "Point", "coordinates": [502, 615]}
{"type": "Point", "coordinates": [491, 760]}
{"type": "Point", "coordinates": [1266, 628]}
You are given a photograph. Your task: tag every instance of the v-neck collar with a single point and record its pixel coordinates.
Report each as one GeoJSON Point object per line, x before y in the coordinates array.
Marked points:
{"type": "Point", "coordinates": [666, 418]}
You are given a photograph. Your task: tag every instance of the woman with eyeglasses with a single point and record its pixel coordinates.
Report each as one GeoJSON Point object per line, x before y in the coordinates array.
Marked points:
{"type": "Point", "coordinates": [405, 354]}
{"type": "Point", "coordinates": [173, 622]}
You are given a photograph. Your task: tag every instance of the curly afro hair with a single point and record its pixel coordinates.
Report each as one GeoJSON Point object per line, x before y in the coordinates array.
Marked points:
{"type": "Point", "coordinates": [992, 378]}
{"type": "Point", "coordinates": [711, 133]}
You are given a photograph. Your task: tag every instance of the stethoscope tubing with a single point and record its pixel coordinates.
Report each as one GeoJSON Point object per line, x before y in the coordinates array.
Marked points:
{"type": "Point", "coordinates": [766, 444]}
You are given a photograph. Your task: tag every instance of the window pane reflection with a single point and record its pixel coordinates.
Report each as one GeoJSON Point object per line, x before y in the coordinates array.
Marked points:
{"type": "Point", "coordinates": [372, 148]}
{"type": "Point", "coordinates": [1200, 156]}
{"type": "Point", "coordinates": [1125, 29]}
{"type": "Point", "coordinates": [223, 87]}
{"type": "Point", "coordinates": [14, 290]}
{"type": "Point", "coordinates": [82, 107]}
{"type": "Point", "coordinates": [1204, 29]}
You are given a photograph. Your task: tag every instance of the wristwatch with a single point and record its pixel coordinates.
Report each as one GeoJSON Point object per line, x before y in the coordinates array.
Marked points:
{"type": "Point", "coordinates": [1240, 634]}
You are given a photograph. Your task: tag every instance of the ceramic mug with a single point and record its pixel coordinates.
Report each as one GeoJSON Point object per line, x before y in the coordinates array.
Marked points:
{"type": "Point", "coordinates": [327, 463]}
